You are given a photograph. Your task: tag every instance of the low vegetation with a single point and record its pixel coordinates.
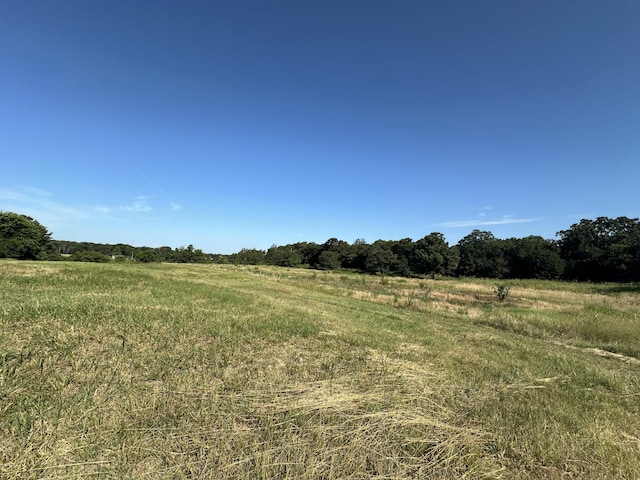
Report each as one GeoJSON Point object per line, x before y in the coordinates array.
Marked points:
{"type": "Point", "coordinates": [125, 370]}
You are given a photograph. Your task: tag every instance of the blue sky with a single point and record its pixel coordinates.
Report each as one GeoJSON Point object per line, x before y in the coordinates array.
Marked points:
{"type": "Point", "coordinates": [245, 124]}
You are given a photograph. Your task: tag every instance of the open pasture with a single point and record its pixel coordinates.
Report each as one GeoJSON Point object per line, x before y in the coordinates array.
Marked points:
{"type": "Point", "coordinates": [194, 371]}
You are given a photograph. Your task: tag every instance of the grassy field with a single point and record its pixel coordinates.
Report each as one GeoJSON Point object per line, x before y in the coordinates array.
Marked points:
{"type": "Point", "coordinates": [193, 371]}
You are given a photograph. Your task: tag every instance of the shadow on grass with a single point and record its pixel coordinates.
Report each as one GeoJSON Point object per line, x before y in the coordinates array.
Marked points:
{"type": "Point", "coordinates": [622, 288]}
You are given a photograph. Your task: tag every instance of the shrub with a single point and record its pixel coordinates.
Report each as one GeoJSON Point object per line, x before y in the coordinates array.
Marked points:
{"type": "Point", "coordinates": [502, 292]}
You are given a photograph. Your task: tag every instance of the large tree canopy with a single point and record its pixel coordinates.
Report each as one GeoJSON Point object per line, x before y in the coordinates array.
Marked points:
{"type": "Point", "coordinates": [482, 255]}
{"type": "Point", "coordinates": [604, 249]}
{"type": "Point", "coordinates": [22, 237]}
{"type": "Point", "coordinates": [432, 255]}
{"type": "Point", "coordinates": [533, 257]}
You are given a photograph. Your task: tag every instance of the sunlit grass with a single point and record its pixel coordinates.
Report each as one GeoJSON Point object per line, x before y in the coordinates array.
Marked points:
{"type": "Point", "coordinates": [182, 371]}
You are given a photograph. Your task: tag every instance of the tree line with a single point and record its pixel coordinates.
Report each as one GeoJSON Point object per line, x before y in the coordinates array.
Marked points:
{"type": "Point", "coordinates": [122, 252]}
{"type": "Point", "coordinates": [604, 249]}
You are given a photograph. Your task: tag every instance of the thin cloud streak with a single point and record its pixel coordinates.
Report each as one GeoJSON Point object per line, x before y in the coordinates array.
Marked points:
{"type": "Point", "coordinates": [38, 204]}
{"type": "Point", "coordinates": [481, 223]}
{"type": "Point", "coordinates": [138, 206]}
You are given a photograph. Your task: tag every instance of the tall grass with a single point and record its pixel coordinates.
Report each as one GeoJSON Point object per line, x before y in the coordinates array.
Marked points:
{"type": "Point", "coordinates": [193, 371]}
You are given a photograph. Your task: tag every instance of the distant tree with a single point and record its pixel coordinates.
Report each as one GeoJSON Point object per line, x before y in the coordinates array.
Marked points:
{"type": "Point", "coordinates": [533, 257]}
{"type": "Point", "coordinates": [90, 256]}
{"type": "Point", "coordinates": [248, 256]}
{"type": "Point", "coordinates": [356, 255]}
{"type": "Point", "coordinates": [482, 255]}
{"type": "Point", "coordinates": [164, 254]}
{"type": "Point", "coordinates": [68, 247]}
{"type": "Point", "coordinates": [335, 245]}
{"type": "Point", "coordinates": [381, 259]}
{"type": "Point", "coordinates": [309, 252]}
{"type": "Point", "coordinates": [284, 256]}
{"type": "Point", "coordinates": [329, 260]}
{"type": "Point", "coordinates": [62, 247]}
{"type": "Point", "coordinates": [23, 238]}
{"type": "Point", "coordinates": [189, 255]}
{"type": "Point", "coordinates": [118, 249]}
{"type": "Point", "coordinates": [146, 255]}
{"type": "Point", "coordinates": [404, 250]}
{"type": "Point", "coordinates": [330, 255]}
{"type": "Point", "coordinates": [603, 249]}
{"type": "Point", "coordinates": [432, 256]}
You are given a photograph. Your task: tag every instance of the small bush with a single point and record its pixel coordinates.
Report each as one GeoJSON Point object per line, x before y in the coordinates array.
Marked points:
{"type": "Point", "coordinates": [502, 292]}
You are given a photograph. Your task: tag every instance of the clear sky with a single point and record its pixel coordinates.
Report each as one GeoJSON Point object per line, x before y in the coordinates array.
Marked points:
{"type": "Point", "coordinates": [250, 123]}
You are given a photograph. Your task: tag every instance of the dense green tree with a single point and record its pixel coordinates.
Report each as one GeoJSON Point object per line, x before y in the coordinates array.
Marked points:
{"type": "Point", "coordinates": [356, 255]}
{"type": "Point", "coordinates": [404, 250]}
{"type": "Point", "coordinates": [190, 255]}
{"type": "Point", "coordinates": [603, 249]}
{"type": "Point", "coordinates": [533, 257]}
{"type": "Point", "coordinates": [329, 260]}
{"type": "Point", "coordinates": [340, 247]}
{"type": "Point", "coordinates": [432, 256]}
{"type": "Point", "coordinates": [284, 256]}
{"type": "Point", "coordinates": [118, 250]}
{"type": "Point", "coordinates": [90, 256]}
{"type": "Point", "coordinates": [381, 259]}
{"type": "Point", "coordinates": [248, 256]}
{"type": "Point", "coordinates": [164, 254]}
{"type": "Point", "coordinates": [309, 252]}
{"type": "Point", "coordinates": [482, 255]}
{"type": "Point", "coordinates": [23, 238]}
{"type": "Point", "coordinates": [146, 255]}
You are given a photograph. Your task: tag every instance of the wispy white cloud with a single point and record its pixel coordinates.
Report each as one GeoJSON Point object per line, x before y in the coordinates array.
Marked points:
{"type": "Point", "coordinates": [505, 220]}
{"type": "Point", "coordinates": [172, 205]}
{"type": "Point", "coordinates": [139, 205]}
{"type": "Point", "coordinates": [37, 203]}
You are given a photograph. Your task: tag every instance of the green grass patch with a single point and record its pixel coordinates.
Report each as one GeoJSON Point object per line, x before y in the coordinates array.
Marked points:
{"type": "Point", "coordinates": [182, 371]}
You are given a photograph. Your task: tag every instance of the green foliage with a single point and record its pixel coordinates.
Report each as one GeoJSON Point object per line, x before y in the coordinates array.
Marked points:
{"type": "Point", "coordinates": [502, 292]}
{"type": "Point", "coordinates": [23, 238]}
{"type": "Point", "coordinates": [123, 252]}
{"type": "Point", "coordinates": [380, 259]}
{"type": "Point", "coordinates": [90, 256]}
{"type": "Point", "coordinates": [356, 256]}
{"type": "Point", "coordinates": [432, 256]}
{"type": "Point", "coordinates": [482, 255]}
{"type": "Point", "coordinates": [283, 256]}
{"type": "Point", "coordinates": [593, 250]}
{"type": "Point", "coordinates": [189, 255]}
{"type": "Point", "coordinates": [329, 260]}
{"type": "Point", "coordinates": [604, 249]}
{"type": "Point", "coordinates": [248, 256]}
{"type": "Point", "coordinates": [146, 255]}
{"type": "Point", "coordinates": [533, 257]}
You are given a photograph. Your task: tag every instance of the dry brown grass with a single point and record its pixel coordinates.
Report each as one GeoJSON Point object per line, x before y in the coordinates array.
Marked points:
{"type": "Point", "coordinates": [224, 372]}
